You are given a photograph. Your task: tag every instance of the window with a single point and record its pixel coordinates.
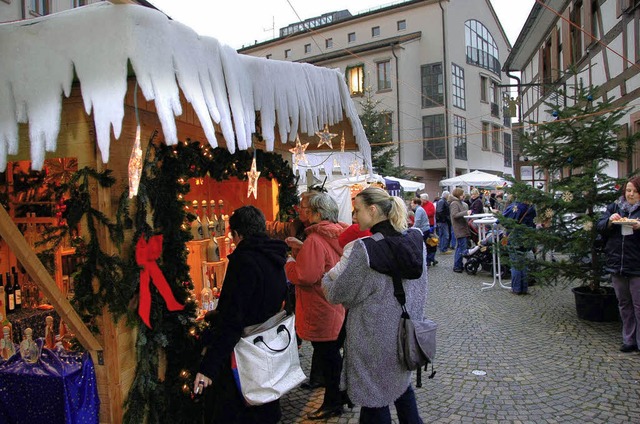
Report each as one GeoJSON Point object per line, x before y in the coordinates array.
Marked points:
{"type": "Point", "coordinates": [375, 31]}
{"type": "Point", "coordinates": [287, 53]}
{"type": "Point", "coordinates": [482, 49]}
{"type": "Point", "coordinates": [484, 82]}
{"type": "Point", "coordinates": [595, 16]}
{"type": "Point", "coordinates": [575, 33]}
{"type": "Point", "coordinates": [496, 139]}
{"type": "Point", "coordinates": [402, 25]}
{"type": "Point", "coordinates": [78, 3]}
{"type": "Point", "coordinates": [509, 109]}
{"type": "Point", "coordinates": [355, 79]}
{"type": "Point", "coordinates": [351, 37]}
{"type": "Point", "coordinates": [457, 80]}
{"type": "Point", "coordinates": [386, 124]}
{"type": "Point", "coordinates": [432, 88]}
{"type": "Point", "coordinates": [460, 137]}
{"type": "Point", "coordinates": [494, 99]}
{"type": "Point", "coordinates": [545, 72]}
{"type": "Point", "coordinates": [508, 162]}
{"type": "Point", "coordinates": [328, 43]}
{"type": "Point", "coordinates": [486, 132]}
{"type": "Point", "coordinates": [307, 48]}
{"type": "Point", "coordinates": [384, 75]}
{"type": "Point", "coordinates": [39, 7]}
{"type": "Point", "coordinates": [433, 144]}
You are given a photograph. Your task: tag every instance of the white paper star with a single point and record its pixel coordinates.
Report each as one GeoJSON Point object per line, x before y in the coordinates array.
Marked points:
{"type": "Point", "coordinates": [325, 137]}
{"type": "Point", "coordinates": [135, 166]}
{"type": "Point", "coordinates": [298, 152]}
{"type": "Point", "coordinates": [342, 142]}
{"type": "Point", "coordinates": [253, 176]}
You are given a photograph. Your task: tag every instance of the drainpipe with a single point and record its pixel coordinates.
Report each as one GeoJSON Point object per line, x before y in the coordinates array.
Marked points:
{"type": "Point", "coordinates": [451, 172]}
{"type": "Point", "coordinates": [397, 104]}
{"type": "Point", "coordinates": [519, 94]}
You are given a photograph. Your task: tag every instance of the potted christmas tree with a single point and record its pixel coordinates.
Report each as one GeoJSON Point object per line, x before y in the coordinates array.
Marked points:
{"type": "Point", "coordinates": [575, 153]}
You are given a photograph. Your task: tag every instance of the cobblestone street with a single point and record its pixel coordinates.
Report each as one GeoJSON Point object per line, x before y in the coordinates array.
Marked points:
{"type": "Point", "coordinates": [510, 359]}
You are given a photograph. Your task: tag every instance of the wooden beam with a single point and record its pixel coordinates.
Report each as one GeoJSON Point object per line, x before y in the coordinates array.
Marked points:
{"type": "Point", "coordinates": [36, 270]}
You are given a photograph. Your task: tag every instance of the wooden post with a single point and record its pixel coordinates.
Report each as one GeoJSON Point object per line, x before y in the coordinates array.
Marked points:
{"type": "Point", "coordinates": [36, 270]}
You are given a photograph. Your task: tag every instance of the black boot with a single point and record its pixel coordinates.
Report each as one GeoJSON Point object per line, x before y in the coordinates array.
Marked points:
{"type": "Point", "coordinates": [325, 412]}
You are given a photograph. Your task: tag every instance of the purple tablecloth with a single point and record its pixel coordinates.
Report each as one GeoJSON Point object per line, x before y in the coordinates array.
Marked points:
{"type": "Point", "coordinates": [60, 388]}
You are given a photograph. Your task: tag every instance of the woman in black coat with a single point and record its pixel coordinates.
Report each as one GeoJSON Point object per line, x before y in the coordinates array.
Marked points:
{"type": "Point", "coordinates": [254, 290]}
{"type": "Point", "coordinates": [623, 259]}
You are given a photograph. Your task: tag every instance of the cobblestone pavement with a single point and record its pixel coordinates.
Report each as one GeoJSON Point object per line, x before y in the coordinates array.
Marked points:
{"type": "Point", "coordinates": [503, 358]}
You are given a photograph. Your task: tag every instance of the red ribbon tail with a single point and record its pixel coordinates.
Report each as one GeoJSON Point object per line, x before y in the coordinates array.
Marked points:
{"type": "Point", "coordinates": [144, 306]}
{"type": "Point", "coordinates": [165, 291]}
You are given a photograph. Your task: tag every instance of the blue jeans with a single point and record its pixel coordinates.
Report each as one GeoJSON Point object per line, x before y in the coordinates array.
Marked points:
{"type": "Point", "coordinates": [406, 408]}
{"type": "Point", "coordinates": [519, 282]}
{"type": "Point", "coordinates": [461, 250]}
{"type": "Point", "coordinates": [452, 237]}
{"type": "Point", "coordinates": [442, 229]}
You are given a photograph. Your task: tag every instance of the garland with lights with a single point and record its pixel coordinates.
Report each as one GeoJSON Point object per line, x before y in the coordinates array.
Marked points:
{"type": "Point", "coordinates": [157, 394]}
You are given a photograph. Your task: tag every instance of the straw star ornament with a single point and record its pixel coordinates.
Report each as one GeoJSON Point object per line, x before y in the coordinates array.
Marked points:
{"type": "Point", "coordinates": [253, 176]}
{"type": "Point", "coordinates": [298, 152]}
{"type": "Point", "coordinates": [325, 137]}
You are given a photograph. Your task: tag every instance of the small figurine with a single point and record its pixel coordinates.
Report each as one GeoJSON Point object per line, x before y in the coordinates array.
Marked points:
{"type": "Point", "coordinates": [64, 336]}
{"type": "Point", "coordinates": [4, 322]}
{"type": "Point", "coordinates": [28, 348]}
{"type": "Point", "coordinates": [7, 349]}
{"type": "Point", "coordinates": [49, 333]}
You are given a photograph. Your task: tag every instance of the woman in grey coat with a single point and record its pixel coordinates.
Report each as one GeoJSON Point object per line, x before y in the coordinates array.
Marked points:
{"type": "Point", "coordinates": [372, 373]}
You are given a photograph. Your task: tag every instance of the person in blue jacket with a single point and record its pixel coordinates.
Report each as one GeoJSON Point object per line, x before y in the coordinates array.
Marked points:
{"type": "Point", "coordinates": [622, 249]}
{"type": "Point", "coordinates": [524, 214]}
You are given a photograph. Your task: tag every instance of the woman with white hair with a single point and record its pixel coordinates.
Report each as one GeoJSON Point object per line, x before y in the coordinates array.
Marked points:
{"type": "Point", "coordinates": [317, 320]}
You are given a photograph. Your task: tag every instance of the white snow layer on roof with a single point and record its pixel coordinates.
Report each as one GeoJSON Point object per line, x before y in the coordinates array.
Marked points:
{"type": "Point", "coordinates": [39, 57]}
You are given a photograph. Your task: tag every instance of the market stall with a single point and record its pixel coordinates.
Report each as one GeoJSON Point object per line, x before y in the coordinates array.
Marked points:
{"type": "Point", "coordinates": [144, 103]}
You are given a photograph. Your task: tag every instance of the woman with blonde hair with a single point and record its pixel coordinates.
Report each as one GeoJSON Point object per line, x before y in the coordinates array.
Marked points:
{"type": "Point", "coordinates": [365, 288]}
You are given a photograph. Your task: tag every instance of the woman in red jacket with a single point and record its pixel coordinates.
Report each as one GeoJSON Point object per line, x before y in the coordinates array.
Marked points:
{"type": "Point", "coordinates": [316, 319]}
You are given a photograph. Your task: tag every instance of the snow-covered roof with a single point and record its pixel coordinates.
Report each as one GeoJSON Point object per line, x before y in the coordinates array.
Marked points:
{"type": "Point", "coordinates": [39, 57]}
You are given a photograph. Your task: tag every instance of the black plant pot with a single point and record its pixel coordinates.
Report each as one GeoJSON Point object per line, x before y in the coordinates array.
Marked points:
{"type": "Point", "coordinates": [601, 306]}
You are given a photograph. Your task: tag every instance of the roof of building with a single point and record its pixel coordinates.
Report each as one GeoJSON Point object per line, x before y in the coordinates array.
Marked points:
{"type": "Point", "coordinates": [534, 31]}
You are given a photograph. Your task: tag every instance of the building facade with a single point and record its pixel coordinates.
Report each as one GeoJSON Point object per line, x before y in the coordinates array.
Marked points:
{"type": "Point", "coordinates": [17, 10]}
{"type": "Point", "coordinates": [589, 42]}
{"type": "Point", "coordinates": [434, 66]}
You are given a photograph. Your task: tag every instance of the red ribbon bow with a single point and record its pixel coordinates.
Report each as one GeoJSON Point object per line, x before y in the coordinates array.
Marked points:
{"type": "Point", "coordinates": [147, 253]}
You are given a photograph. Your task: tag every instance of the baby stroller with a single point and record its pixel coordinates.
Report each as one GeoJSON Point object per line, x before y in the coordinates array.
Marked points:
{"type": "Point", "coordinates": [483, 259]}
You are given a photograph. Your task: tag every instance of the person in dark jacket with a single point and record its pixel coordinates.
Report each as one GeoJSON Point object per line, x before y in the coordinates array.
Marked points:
{"type": "Point", "coordinates": [524, 214]}
{"type": "Point", "coordinates": [443, 221]}
{"type": "Point", "coordinates": [623, 259]}
{"type": "Point", "coordinates": [254, 289]}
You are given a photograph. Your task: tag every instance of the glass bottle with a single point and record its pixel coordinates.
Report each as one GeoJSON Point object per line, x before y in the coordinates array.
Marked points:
{"type": "Point", "coordinates": [17, 290]}
{"type": "Point", "coordinates": [7, 348]}
{"type": "Point", "coordinates": [205, 221]}
{"type": "Point", "coordinates": [196, 225]}
{"type": "Point", "coordinates": [11, 298]}
{"type": "Point", "coordinates": [206, 295]}
{"type": "Point", "coordinates": [215, 291]}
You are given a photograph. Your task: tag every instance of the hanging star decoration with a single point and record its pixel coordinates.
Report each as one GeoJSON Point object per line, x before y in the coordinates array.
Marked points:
{"type": "Point", "coordinates": [342, 142]}
{"type": "Point", "coordinates": [298, 152]}
{"type": "Point", "coordinates": [253, 176]}
{"type": "Point", "coordinates": [325, 137]}
{"type": "Point", "coordinates": [355, 168]}
{"type": "Point", "coordinates": [135, 165]}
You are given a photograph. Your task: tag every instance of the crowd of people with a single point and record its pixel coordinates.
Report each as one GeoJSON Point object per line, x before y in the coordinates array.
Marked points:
{"type": "Point", "coordinates": [344, 301]}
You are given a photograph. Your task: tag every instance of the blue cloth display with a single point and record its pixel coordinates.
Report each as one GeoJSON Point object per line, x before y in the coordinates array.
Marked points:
{"type": "Point", "coordinates": [60, 388]}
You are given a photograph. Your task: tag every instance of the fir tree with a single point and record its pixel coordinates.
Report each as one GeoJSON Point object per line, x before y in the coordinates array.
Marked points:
{"type": "Point", "coordinates": [575, 152]}
{"type": "Point", "coordinates": [383, 153]}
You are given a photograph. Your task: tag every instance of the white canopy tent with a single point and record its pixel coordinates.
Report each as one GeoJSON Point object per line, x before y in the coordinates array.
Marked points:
{"type": "Point", "coordinates": [340, 191]}
{"type": "Point", "coordinates": [475, 178]}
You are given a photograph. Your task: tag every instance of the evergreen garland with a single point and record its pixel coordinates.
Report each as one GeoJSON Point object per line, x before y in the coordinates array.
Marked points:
{"type": "Point", "coordinates": [108, 280]}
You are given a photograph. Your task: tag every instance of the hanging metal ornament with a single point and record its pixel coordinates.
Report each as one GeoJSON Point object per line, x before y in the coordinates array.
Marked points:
{"type": "Point", "coordinates": [135, 160]}
{"type": "Point", "coordinates": [325, 137]}
{"type": "Point", "coordinates": [298, 152]}
{"type": "Point", "coordinates": [253, 176]}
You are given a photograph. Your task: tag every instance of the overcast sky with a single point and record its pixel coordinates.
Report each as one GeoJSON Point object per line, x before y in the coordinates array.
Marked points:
{"type": "Point", "coordinates": [241, 22]}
